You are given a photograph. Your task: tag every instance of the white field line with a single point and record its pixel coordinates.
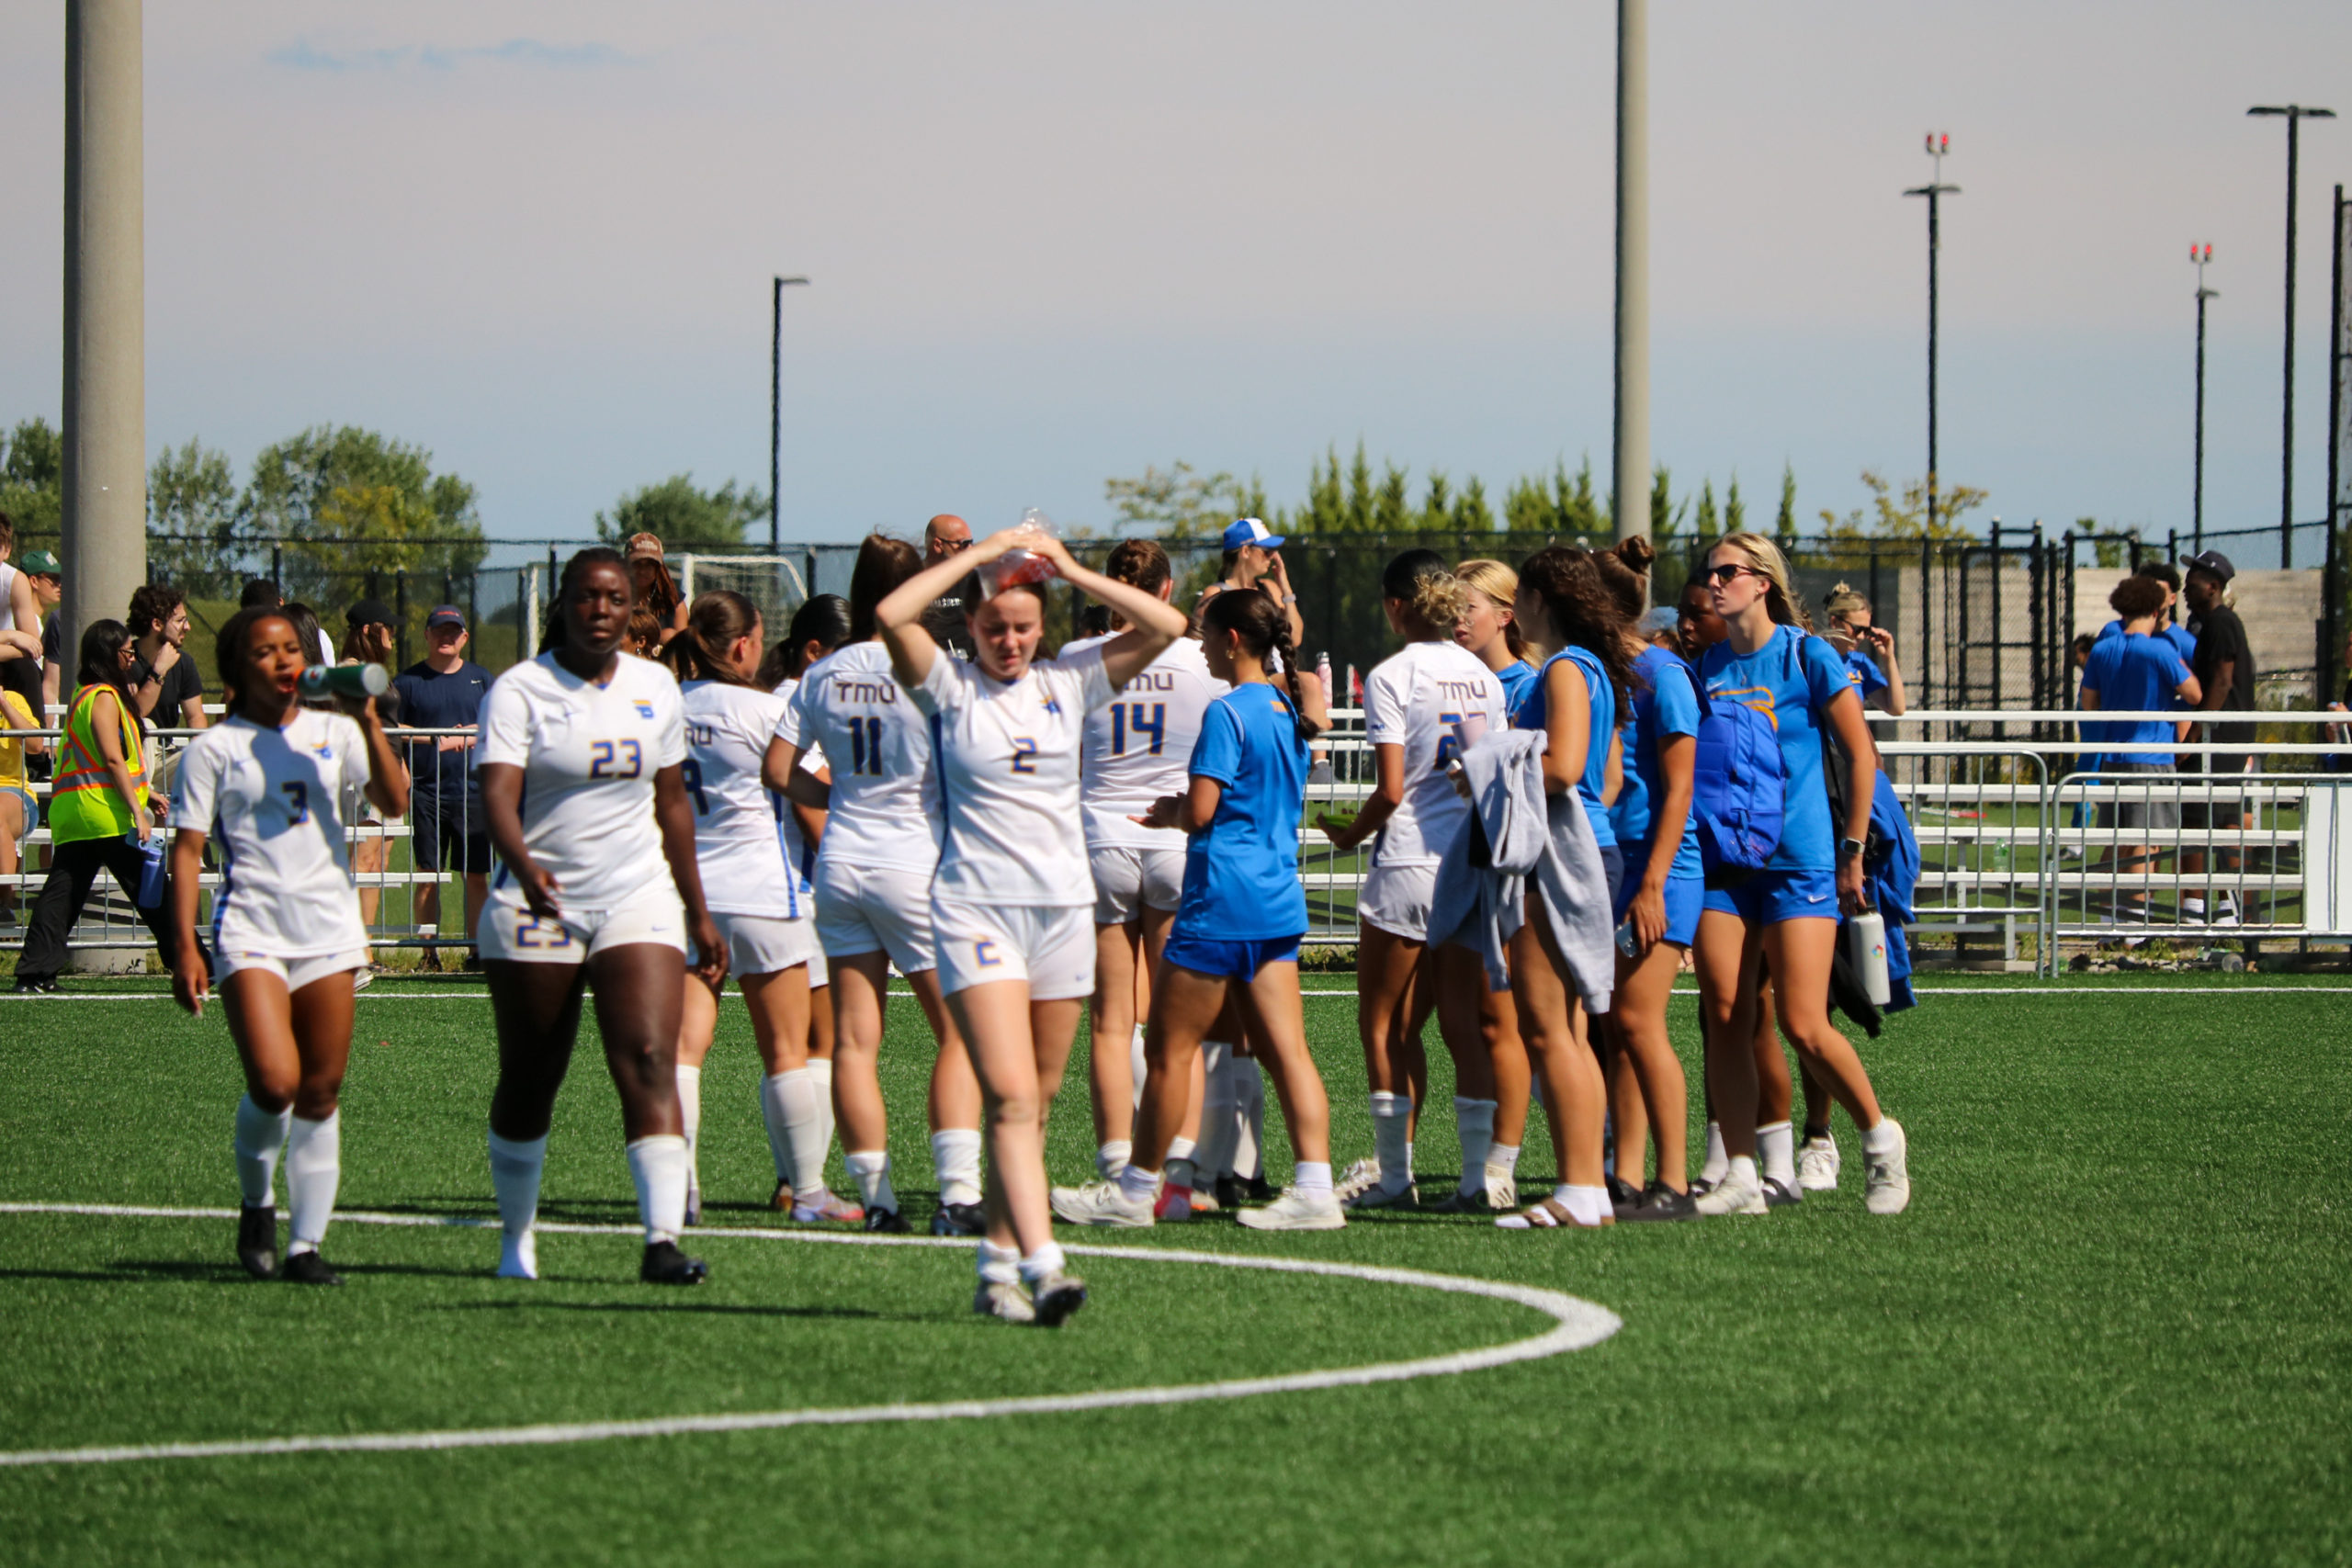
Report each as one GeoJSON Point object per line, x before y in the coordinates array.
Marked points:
{"type": "Point", "coordinates": [2021, 991]}
{"type": "Point", "coordinates": [1576, 1324]}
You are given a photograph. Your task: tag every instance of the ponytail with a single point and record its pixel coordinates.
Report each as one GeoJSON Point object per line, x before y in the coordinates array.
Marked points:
{"type": "Point", "coordinates": [715, 622]}
{"type": "Point", "coordinates": [1430, 592]}
{"type": "Point", "coordinates": [1264, 630]}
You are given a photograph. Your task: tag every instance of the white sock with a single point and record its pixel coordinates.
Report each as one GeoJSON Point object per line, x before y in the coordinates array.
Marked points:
{"type": "Point", "coordinates": [1249, 1097]}
{"type": "Point", "coordinates": [1137, 1185]}
{"type": "Point", "coordinates": [790, 1103]}
{"type": "Point", "coordinates": [259, 1137]}
{"type": "Point", "coordinates": [313, 1170]}
{"type": "Point", "coordinates": [1177, 1166]}
{"type": "Point", "coordinates": [1717, 1162]}
{"type": "Point", "coordinates": [955, 1157]}
{"type": "Point", "coordinates": [1311, 1176]}
{"type": "Point", "coordinates": [1139, 1065]}
{"type": "Point", "coordinates": [1473, 1124]}
{"type": "Point", "coordinates": [1047, 1260]}
{"type": "Point", "coordinates": [1220, 1117]}
{"type": "Point", "coordinates": [1776, 1152]}
{"type": "Point", "coordinates": [514, 1168]}
{"type": "Point", "coordinates": [1876, 1140]}
{"type": "Point", "coordinates": [1000, 1265]}
{"type": "Point", "coordinates": [1112, 1157]}
{"type": "Point", "coordinates": [824, 1067]}
{"type": "Point", "coordinates": [1740, 1168]}
{"type": "Point", "coordinates": [690, 1113]}
{"type": "Point", "coordinates": [657, 1166]}
{"type": "Point", "coordinates": [1589, 1205]}
{"type": "Point", "coordinates": [1503, 1157]}
{"type": "Point", "coordinates": [871, 1171]}
{"type": "Point", "coordinates": [1392, 1123]}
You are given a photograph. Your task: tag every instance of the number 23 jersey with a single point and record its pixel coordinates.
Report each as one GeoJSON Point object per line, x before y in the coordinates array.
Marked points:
{"type": "Point", "coordinates": [588, 753]}
{"type": "Point", "coordinates": [274, 803]}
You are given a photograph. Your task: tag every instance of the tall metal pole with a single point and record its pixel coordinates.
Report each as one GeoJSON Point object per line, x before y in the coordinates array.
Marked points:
{"type": "Point", "coordinates": [2294, 114]}
{"type": "Point", "coordinates": [105, 479]}
{"type": "Point", "coordinates": [1630, 478]}
{"type": "Point", "coordinates": [776, 411]}
{"type": "Point", "coordinates": [1937, 145]}
{"type": "Point", "coordinates": [2197, 510]}
{"type": "Point", "coordinates": [2339, 438]}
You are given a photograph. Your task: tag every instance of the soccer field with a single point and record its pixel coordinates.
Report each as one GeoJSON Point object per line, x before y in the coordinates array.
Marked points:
{"type": "Point", "coordinates": [2110, 1328]}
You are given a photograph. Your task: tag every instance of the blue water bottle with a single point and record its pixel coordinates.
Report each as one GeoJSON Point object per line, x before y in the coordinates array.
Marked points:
{"type": "Point", "coordinates": [152, 875]}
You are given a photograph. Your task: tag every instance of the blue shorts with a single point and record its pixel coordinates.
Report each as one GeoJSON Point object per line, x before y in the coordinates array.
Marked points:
{"type": "Point", "coordinates": [1228, 960]}
{"type": "Point", "coordinates": [1770, 896]}
{"type": "Point", "coordinates": [1684, 896]}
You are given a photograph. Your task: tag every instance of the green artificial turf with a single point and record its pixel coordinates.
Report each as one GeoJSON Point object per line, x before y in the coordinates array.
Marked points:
{"type": "Point", "coordinates": [2110, 1329]}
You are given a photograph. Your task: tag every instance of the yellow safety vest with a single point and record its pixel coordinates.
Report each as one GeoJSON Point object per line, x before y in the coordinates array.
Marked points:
{"type": "Point", "coordinates": [83, 801]}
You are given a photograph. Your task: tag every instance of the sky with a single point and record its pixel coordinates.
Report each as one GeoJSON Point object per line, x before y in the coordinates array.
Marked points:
{"type": "Point", "coordinates": [1052, 243]}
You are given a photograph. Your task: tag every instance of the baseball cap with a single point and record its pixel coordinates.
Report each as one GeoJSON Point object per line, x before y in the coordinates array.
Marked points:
{"type": "Point", "coordinates": [2213, 561]}
{"type": "Point", "coordinates": [1664, 619]}
{"type": "Point", "coordinates": [1250, 531]}
{"type": "Point", "coordinates": [368, 613]}
{"type": "Point", "coordinates": [641, 545]}
{"type": "Point", "coordinates": [40, 563]}
{"type": "Point", "coordinates": [446, 615]}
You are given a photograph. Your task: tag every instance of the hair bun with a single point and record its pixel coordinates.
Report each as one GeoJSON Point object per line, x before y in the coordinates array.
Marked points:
{"type": "Point", "coordinates": [1636, 552]}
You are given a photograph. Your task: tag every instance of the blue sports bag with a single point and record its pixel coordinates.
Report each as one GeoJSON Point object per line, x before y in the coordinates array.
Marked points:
{"type": "Point", "coordinates": [1738, 785]}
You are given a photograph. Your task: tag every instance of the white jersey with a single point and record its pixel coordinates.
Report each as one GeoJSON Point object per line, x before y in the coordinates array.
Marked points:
{"type": "Point", "coordinates": [799, 852]}
{"type": "Point", "coordinates": [884, 804]}
{"type": "Point", "coordinates": [8, 603]}
{"type": "Point", "coordinates": [1137, 747]}
{"type": "Point", "coordinates": [1008, 767]}
{"type": "Point", "coordinates": [1432, 699]}
{"type": "Point", "coordinates": [274, 803]}
{"type": "Point", "coordinates": [748, 867]}
{"type": "Point", "coordinates": [588, 754]}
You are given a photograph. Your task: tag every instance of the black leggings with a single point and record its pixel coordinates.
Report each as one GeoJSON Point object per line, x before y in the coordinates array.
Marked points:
{"type": "Point", "coordinates": [72, 870]}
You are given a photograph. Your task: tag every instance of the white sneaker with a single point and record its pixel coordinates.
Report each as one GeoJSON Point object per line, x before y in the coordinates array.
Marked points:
{"type": "Point", "coordinates": [1817, 1164]}
{"type": "Point", "coordinates": [1102, 1203]}
{"type": "Point", "coordinates": [1886, 1189]}
{"type": "Point", "coordinates": [1010, 1303]}
{"type": "Point", "coordinates": [1503, 1190]}
{"type": "Point", "coordinates": [1358, 1178]}
{"type": "Point", "coordinates": [518, 1256]}
{"type": "Point", "coordinates": [1738, 1192]}
{"type": "Point", "coordinates": [1296, 1210]}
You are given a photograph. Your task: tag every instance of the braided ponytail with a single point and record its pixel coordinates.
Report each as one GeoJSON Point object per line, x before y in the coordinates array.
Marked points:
{"type": "Point", "coordinates": [1264, 629]}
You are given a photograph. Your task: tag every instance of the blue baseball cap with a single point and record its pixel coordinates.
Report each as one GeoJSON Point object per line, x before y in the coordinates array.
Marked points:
{"type": "Point", "coordinates": [1250, 531]}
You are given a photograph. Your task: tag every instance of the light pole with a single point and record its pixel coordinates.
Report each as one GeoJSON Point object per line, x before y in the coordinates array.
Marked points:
{"type": "Point", "coordinates": [2294, 114]}
{"type": "Point", "coordinates": [775, 408]}
{"type": "Point", "coordinates": [1937, 145]}
{"type": "Point", "coordinates": [1628, 478]}
{"type": "Point", "coordinates": [2200, 255]}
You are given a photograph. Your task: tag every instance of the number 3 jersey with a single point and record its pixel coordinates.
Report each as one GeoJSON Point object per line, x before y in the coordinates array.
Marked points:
{"type": "Point", "coordinates": [1431, 699]}
{"type": "Point", "coordinates": [588, 753]}
{"type": "Point", "coordinates": [1138, 745]}
{"type": "Point", "coordinates": [274, 803]}
{"type": "Point", "coordinates": [741, 839]}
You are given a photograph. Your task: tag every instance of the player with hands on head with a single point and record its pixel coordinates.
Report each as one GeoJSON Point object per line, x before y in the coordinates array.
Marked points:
{"type": "Point", "coordinates": [584, 791]}
{"type": "Point", "coordinates": [1868, 650]}
{"type": "Point", "coordinates": [274, 785]}
{"type": "Point", "coordinates": [1012, 903]}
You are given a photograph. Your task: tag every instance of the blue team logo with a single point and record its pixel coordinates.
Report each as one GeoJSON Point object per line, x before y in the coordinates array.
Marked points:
{"type": "Point", "coordinates": [645, 710]}
{"type": "Point", "coordinates": [1053, 704]}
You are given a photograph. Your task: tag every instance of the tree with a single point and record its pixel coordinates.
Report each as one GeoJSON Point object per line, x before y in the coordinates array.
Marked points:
{"type": "Point", "coordinates": [1666, 518]}
{"type": "Point", "coordinates": [352, 503]}
{"type": "Point", "coordinates": [1784, 523]}
{"type": "Point", "coordinates": [1179, 503]}
{"type": "Point", "coordinates": [1556, 504]}
{"type": "Point", "coordinates": [1735, 509]}
{"type": "Point", "coordinates": [193, 538]}
{"type": "Point", "coordinates": [32, 477]}
{"type": "Point", "coordinates": [684, 516]}
{"type": "Point", "coordinates": [1904, 514]}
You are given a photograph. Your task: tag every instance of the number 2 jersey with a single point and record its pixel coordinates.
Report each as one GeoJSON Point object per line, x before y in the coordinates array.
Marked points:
{"type": "Point", "coordinates": [1432, 699]}
{"type": "Point", "coordinates": [588, 752]}
{"type": "Point", "coordinates": [742, 840]}
{"type": "Point", "coordinates": [274, 803]}
{"type": "Point", "coordinates": [884, 807]}
{"type": "Point", "coordinates": [1137, 745]}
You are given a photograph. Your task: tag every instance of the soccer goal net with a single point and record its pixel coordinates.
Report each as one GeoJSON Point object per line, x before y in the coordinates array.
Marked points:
{"type": "Point", "coordinates": [773, 583]}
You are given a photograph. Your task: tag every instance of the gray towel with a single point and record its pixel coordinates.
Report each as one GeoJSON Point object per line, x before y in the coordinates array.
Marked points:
{"type": "Point", "coordinates": [1574, 888]}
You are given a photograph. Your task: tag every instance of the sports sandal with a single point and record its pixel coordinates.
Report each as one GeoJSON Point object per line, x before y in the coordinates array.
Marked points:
{"type": "Point", "coordinates": [1546, 1215]}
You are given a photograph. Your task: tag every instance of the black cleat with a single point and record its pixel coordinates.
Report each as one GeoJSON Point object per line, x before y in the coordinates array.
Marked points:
{"type": "Point", "coordinates": [886, 1222]}
{"type": "Point", "coordinates": [1623, 1199]}
{"type": "Point", "coordinates": [665, 1265]}
{"type": "Point", "coordinates": [257, 1239]}
{"type": "Point", "coordinates": [1662, 1202]}
{"type": "Point", "coordinates": [35, 986]}
{"type": "Point", "coordinates": [309, 1269]}
{"type": "Point", "coordinates": [1056, 1297]}
{"type": "Point", "coordinates": [1231, 1191]}
{"type": "Point", "coordinates": [960, 1219]}
{"type": "Point", "coordinates": [1777, 1196]}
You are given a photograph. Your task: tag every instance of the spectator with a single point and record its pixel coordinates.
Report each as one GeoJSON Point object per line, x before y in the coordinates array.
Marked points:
{"type": "Point", "coordinates": [443, 690]}
{"type": "Point", "coordinates": [260, 593]}
{"type": "Point", "coordinates": [2136, 670]}
{"type": "Point", "coordinates": [164, 685]}
{"type": "Point", "coordinates": [944, 536]}
{"type": "Point", "coordinates": [1253, 559]}
{"type": "Point", "coordinates": [657, 591]}
{"type": "Point", "coordinates": [41, 693]}
{"type": "Point", "coordinates": [1868, 650]}
{"type": "Point", "coordinates": [18, 814]}
{"type": "Point", "coordinates": [98, 816]}
{"type": "Point", "coordinates": [16, 611]}
{"type": "Point", "coordinates": [368, 637]}
{"type": "Point", "coordinates": [2224, 664]}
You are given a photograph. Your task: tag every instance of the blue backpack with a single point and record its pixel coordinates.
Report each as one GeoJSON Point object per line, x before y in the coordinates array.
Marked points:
{"type": "Point", "coordinates": [1738, 784]}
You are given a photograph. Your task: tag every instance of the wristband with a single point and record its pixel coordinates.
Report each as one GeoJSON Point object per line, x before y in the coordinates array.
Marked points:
{"type": "Point", "coordinates": [1288, 599]}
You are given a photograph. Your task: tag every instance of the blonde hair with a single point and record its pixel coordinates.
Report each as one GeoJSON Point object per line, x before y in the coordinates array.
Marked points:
{"type": "Point", "coordinates": [1500, 585]}
{"type": "Point", "coordinates": [1430, 592]}
{"type": "Point", "coordinates": [1842, 601]}
{"type": "Point", "coordinates": [1765, 557]}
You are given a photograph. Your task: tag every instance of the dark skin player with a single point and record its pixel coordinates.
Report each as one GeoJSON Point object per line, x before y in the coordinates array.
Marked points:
{"type": "Point", "coordinates": [641, 987]}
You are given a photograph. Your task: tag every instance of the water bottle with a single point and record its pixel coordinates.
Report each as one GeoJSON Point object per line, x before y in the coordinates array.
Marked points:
{"type": "Point", "coordinates": [1866, 937]}
{"type": "Point", "coordinates": [2001, 855]}
{"type": "Point", "coordinates": [1323, 673]}
{"type": "Point", "coordinates": [1016, 567]}
{"type": "Point", "coordinates": [356, 681]}
{"type": "Point", "coordinates": [153, 877]}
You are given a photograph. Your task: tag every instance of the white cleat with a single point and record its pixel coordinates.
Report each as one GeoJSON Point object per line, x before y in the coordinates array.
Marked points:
{"type": "Point", "coordinates": [1737, 1193]}
{"type": "Point", "coordinates": [1817, 1164]}
{"type": "Point", "coordinates": [519, 1257]}
{"type": "Point", "coordinates": [1008, 1302]}
{"type": "Point", "coordinates": [1886, 1189]}
{"type": "Point", "coordinates": [1503, 1190]}
{"type": "Point", "coordinates": [1102, 1203]}
{"type": "Point", "coordinates": [1357, 1180]}
{"type": "Point", "coordinates": [1296, 1210]}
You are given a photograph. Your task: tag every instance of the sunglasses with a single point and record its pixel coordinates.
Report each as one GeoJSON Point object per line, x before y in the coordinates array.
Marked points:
{"type": "Point", "coordinates": [1726, 572]}
{"type": "Point", "coordinates": [952, 546]}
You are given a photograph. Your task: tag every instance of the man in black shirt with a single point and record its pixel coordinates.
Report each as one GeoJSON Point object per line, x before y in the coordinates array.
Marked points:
{"type": "Point", "coordinates": [2223, 665]}
{"type": "Point", "coordinates": [165, 686]}
{"type": "Point", "coordinates": [944, 537]}
{"type": "Point", "coordinates": [443, 690]}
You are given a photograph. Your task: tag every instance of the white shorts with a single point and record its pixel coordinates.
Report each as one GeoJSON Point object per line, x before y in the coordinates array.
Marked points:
{"type": "Point", "coordinates": [875, 909]}
{"type": "Point", "coordinates": [1050, 947]}
{"type": "Point", "coordinates": [762, 944]}
{"type": "Point", "coordinates": [509, 931]}
{"type": "Point", "coordinates": [820, 977]}
{"type": "Point", "coordinates": [1128, 880]}
{"type": "Point", "coordinates": [1396, 898]}
{"type": "Point", "coordinates": [296, 972]}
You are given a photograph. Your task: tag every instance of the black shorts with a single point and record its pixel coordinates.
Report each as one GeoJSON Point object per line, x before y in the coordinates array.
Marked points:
{"type": "Point", "coordinates": [2221, 811]}
{"type": "Point", "coordinates": [444, 833]}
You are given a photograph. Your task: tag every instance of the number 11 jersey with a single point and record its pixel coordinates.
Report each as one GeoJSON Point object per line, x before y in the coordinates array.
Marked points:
{"type": "Point", "coordinates": [884, 809]}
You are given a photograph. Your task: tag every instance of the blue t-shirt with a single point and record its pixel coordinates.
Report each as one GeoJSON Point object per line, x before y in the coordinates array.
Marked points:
{"type": "Point", "coordinates": [2183, 641]}
{"type": "Point", "coordinates": [1664, 703]}
{"type": "Point", "coordinates": [1863, 671]}
{"type": "Point", "coordinates": [2133, 672]}
{"type": "Point", "coordinates": [1516, 678]}
{"type": "Point", "coordinates": [430, 700]}
{"type": "Point", "coordinates": [1535, 712]}
{"type": "Point", "coordinates": [1242, 873]}
{"type": "Point", "coordinates": [1791, 680]}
